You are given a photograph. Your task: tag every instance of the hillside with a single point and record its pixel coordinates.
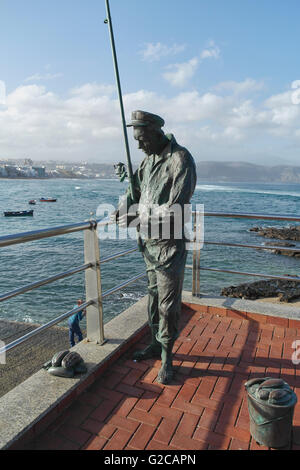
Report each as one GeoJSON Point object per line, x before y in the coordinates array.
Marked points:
{"type": "Point", "coordinates": [242, 171]}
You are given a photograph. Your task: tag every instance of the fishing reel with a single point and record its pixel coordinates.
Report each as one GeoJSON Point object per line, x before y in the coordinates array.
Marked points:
{"type": "Point", "coordinates": [120, 170]}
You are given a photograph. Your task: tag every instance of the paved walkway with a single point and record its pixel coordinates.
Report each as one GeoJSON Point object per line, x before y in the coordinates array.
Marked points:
{"type": "Point", "coordinates": [205, 407]}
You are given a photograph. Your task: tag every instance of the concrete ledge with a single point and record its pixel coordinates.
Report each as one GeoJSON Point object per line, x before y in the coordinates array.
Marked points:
{"type": "Point", "coordinates": [31, 406]}
{"type": "Point", "coordinates": [250, 306]}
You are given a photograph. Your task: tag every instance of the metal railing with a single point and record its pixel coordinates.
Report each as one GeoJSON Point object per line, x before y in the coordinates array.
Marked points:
{"type": "Point", "coordinates": [92, 263]}
{"type": "Point", "coordinates": [196, 267]}
{"type": "Point", "coordinates": [91, 267]}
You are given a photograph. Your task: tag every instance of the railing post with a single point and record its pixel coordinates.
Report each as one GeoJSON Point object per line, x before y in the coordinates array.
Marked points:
{"type": "Point", "coordinates": [94, 312]}
{"type": "Point", "coordinates": [196, 258]}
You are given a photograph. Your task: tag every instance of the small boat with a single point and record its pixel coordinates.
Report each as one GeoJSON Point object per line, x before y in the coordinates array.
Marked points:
{"type": "Point", "coordinates": [32, 201]}
{"type": "Point", "coordinates": [18, 213]}
{"type": "Point", "coordinates": [47, 199]}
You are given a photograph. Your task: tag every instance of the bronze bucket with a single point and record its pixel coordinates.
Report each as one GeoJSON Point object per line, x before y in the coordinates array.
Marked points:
{"type": "Point", "coordinates": [271, 404]}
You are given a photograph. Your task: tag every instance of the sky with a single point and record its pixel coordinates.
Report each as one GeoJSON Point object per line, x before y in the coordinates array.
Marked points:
{"type": "Point", "coordinates": [224, 74]}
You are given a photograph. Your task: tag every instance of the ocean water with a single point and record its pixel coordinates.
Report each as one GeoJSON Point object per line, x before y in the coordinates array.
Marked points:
{"type": "Point", "coordinates": [78, 200]}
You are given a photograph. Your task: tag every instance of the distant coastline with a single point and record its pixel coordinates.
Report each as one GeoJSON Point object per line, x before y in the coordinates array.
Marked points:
{"type": "Point", "coordinates": [47, 178]}
{"type": "Point", "coordinates": [199, 180]}
{"type": "Point", "coordinates": [208, 171]}
{"type": "Point", "coordinates": [243, 172]}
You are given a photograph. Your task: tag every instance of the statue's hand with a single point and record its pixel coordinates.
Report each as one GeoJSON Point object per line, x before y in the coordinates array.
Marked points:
{"type": "Point", "coordinates": [120, 170]}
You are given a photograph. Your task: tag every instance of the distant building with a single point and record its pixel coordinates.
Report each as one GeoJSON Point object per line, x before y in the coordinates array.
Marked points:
{"type": "Point", "coordinates": [11, 171]}
{"type": "Point", "coordinates": [40, 171]}
{"type": "Point", "coordinates": [3, 172]}
{"type": "Point", "coordinates": [26, 171]}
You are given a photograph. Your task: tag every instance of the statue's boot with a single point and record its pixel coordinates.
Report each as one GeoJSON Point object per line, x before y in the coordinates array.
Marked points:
{"type": "Point", "coordinates": [165, 375]}
{"type": "Point", "coordinates": [151, 351]}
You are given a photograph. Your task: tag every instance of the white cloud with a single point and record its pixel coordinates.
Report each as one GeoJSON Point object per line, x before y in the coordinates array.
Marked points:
{"type": "Point", "coordinates": [45, 76]}
{"type": "Point", "coordinates": [238, 88]}
{"type": "Point", "coordinates": [179, 74]}
{"type": "Point", "coordinates": [295, 84]}
{"type": "Point", "coordinates": [86, 123]}
{"type": "Point", "coordinates": [92, 89]}
{"type": "Point", "coordinates": [280, 100]}
{"type": "Point", "coordinates": [192, 107]}
{"type": "Point", "coordinates": [211, 52]}
{"type": "Point", "coordinates": [2, 92]}
{"type": "Point", "coordinates": [154, 52]}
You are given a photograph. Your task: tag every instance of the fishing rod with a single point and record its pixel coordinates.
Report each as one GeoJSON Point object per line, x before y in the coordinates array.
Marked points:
{"type": "Point", "coordinates": [115, 61]}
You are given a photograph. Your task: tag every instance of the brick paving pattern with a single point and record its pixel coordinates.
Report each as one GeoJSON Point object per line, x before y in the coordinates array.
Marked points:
{"type": "Point", "coordinates": [205, 407]}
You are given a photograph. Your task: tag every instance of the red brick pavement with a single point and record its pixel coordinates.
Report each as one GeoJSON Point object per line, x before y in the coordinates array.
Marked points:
{"type": "Point", "coordinates": [205, 407]}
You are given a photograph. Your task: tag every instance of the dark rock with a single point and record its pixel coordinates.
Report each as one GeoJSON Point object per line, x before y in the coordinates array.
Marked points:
{"type": "Point", "coordinates": [294, 253]}
{"type": "Point", "coordinates": [285, 233]}
{"type": "Point", "coordinates": [284, 290]}
{"type": "Point", "coordinates": [281, 233]}
{"type": "Point", "coordinates": [279, 244]}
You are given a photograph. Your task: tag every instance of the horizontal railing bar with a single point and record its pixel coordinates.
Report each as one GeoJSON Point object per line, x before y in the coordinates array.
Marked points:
{"type": "Point", "coordinates": [251, 216]}
{"type": "Point", "coordinates": [124, 284]}
{"type": "Point", "coordinates": [117, 255]}
{"type": "Point", "coordinates": [43, 282]}
{"type": "Point", "coordinates": [25, 237]}
{"type": "Point", "coordinates": [259, 247]}
{"type": "Point", "coordinates": [44, 233]}
{"type": "Point", "coordinates": [42, 328]}
{"type": "Point", "coordinates": [269, 276]}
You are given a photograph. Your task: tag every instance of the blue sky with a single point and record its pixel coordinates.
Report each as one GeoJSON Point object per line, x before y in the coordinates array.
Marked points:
{"type": "Point", "coordinates": [220, 72]}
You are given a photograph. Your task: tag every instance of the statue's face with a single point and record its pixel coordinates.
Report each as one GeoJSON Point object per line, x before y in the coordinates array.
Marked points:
{"type": "Point", "coordinates": [147, 139]}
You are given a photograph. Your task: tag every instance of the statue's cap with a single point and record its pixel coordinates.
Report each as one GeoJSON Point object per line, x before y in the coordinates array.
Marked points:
{"type": "Point", "coordinates": [143, 119]}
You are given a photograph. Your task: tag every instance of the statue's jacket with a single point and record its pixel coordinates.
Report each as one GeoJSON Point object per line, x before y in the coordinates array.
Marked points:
{"type": "Point", "coordinates": [164, 185]}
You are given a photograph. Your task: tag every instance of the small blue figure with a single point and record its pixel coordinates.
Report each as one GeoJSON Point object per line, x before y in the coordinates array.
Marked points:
{"type": "Point", "coordinates": [73, 322]}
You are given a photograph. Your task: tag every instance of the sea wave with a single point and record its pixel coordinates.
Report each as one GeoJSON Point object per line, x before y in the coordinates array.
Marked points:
{"type": "Point", "coordinates": [27, 319]}
{"type": "Point", "coordinates": [132, 296]}
{"type": "Point", "coordinates": [208, 187]}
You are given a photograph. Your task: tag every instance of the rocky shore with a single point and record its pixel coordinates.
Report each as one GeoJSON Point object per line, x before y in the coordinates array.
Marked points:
{"type": "Point", "coordinates": [284, 291]}
{"type": "Point", "coordinates": [281, 251]}
{"type": "Point", "coordinates": [281, 233]}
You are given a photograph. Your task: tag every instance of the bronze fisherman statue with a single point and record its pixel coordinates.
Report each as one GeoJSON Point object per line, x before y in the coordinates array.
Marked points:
{"type": "Point", "coordinates": [166, 178]}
